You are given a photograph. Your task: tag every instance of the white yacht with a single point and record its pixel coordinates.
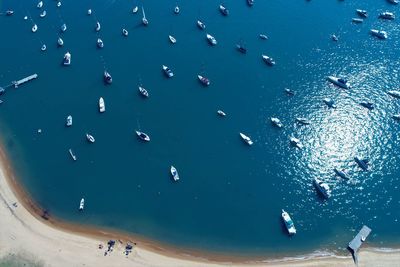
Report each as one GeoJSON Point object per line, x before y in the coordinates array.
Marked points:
{"type": "Point", "coordinates": [40, 4]}
{"type": "Point", "coordinates": [174, 173]}
{"type": "Point", "coordinates": [303, 121]}
{"type": "Point", "coordinates": [362, 13]}
{"type": "Point", "coordinates": [288, 222]}
{"type": "Point", "coordinates": [98, 27]}
{"type": "Point", "coordinates": [176, 10]}
{"type": "Point", "coordinates": [73, 156]}
{"type": "Point", "coordinates": [246, 139]}
{"type": "Point", "coordinates": [124, 32]}
{"type": "Point", "coordinates": [144, 20]}
{"type": "Point", "coordinates": [34, 28]}
{"type": "Point", "coordinates": [67, 59]}
{"type": "Point", "coordinates": [89, 12]}
{"type": "Point", "coordinates": [90, 138]}
{"type": "Point", "coordinates": [143, 91]}
{"type": "Point", "coordinates": [394, 93]}
{"type": "Point", "coordinates": [58, 3]}
{"type": "Point", "coordinates": [329, 102]}
{"type": "Point", "coordinates": [223, 10]}
{"type": "Point", "coordinates": [341, 173]}
{"type": "Point", "coordinates": [221, 113]}
{"type": "Point", "coordinates": [211, 39]}
{"type": "Point", "coordinates": [357, 20]}
{"type": "Point", "coordinates": [69, 121]}
{"type": "Point", "coordinates": [322, 187]}
{"type": "Point", "coordinates": [204, 81]}
{"type": "Point", "coordinates": [201, 25]}
{"type": "Point", "coordinates": [387, 15]}
{"type": "Point", "coordinates": [276, 122]}
{"type": "Point", "coordinates": [102, 106]}
{"type": "Point", "coordinates": [379, 34]}
{"type": "Point", "coordinates": [172, 39]}
{"type": "Point", "coordinates": [100, 43]}
{"type": "Point", "coordinates": [135, 9]}
{"type": "Point", "coordinates": [60, 41]}
{"type": "Point", "coordinates": [269, 60]}
{"type": "Point", "coordinates": [63, 27]}
{"type": "Point", "coordinates": [143, 136]}
{"type": "Point", "coordinates": [339, 82]}
{"type": "Point", "coordinates": [167, 71]}
{"type": "Point", "coordinates": [43, 48]}
{"type": "Point", "coordinates": [296, 142]}
{"type": "Point", "coordinates": [263, 36]}
{"type": "Point", "coordinates": [43, 14]}
{"type": "Point", "coordinates": [82, 204]}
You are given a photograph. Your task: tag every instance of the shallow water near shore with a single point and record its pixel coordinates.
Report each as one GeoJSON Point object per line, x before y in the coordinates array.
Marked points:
{"type": "Point", "coordinates": [230, 196]}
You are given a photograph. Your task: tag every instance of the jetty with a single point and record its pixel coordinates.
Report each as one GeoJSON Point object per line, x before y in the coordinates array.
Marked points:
{"type": "Point", "coordinates": [357, 241]}
{"type": "Point", "coordinates": [24, 80]}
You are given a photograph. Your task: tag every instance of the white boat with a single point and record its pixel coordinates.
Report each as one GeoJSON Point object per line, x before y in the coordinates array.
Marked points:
{"type": "Point", "coordinates": [102, 106]}
{"type": "Point", "coordinates": [396, 117]}
{"type": "Point", "coordinates": [89, 12]}
{"type": "Point", "coordinates": [143, 136]}
{"type": "Point", "coordinates": [394, 93]}
{"type": "Point", "coordinates": [263, 36]}
{"type": "Point", "coordinates": [223, 10]}
{"type": "Point", "coordinates": [40, 4]}
{"type": "Point", "coordinates": [67, 59]}
{"type": "Point", "coordinates": [58, 3]}
{"type": "Point", "coordinates": [34, 28]}
{"type": "Point", "coordinates": [63, 27]}
{"type": "Point", "coordinates": [303, 121]}
{"type": "Point", "coordinates": [69, 121]}
{"type": "Point", "coordinates": [269, 60]}
{"type": "Point", "coordinates": [322, 187]}
{"type": "Point", "coordinates": [43, 48]}
{"type": "Point", "coordinates": [288, 223]}
{"type": "Point", "coordinates": [250, 2]}
{"type": "Point", "coordinates": [204, 81]}
{"type": "Point", "coordinates": [107, 77]}
{"type": "Point", "coordinates": [100, 43]}
{"type": "Point", "coordinates": [379, 34]}
{"type": "Point", "coordinates": [296, 142]}
{"type": "Point", "coordinates": [341, 173]}
{"type": "Point", "coordinates": [246, 139]}
{"type": "Point", "coordinates": [135, 9]}
{"type": "Point", "coordinates": [394, 2]}
{"type": "Point", "coordinates": [9, 12]}
{"type": "Point", "coordinates": [98, 27]}
{"type": "Point", "coordinates": [362, 13]}
{"type": "Point", "coordinates": [73, 156]}
{"type": "Point", "coordinates": [211, 39]}
{"type": "Point", "coordinates": [90, 138]}
{"type": "Point", "coordinates": [43, 14]}
{"type": "Point", "coordinates": [144, 20]}
{"type": "Point", "coordinates": [276, 122]}
{"type": "Point", "coordinates": [221, 113]}
{"type": "Point", "coordinates": [201, 25]}
{"type": "Point", "coordinates": [334, 37]}
{"type": "Point", "coordinates": [60, 41]}
{"type": "Point", "coordinates": [26, 17]}
{"type": "Point", "coordinates": [124, 32]}
{"type": "Point", "coordinates": [339, 82]}
{"type": "Point", "coordinates": [357, 20]}
{"type": "Point", "coordinates": [174, 173]}
{"type": "Point", "coordinates": [172, 39]}
{"type": "Point", "coordinates": [289, 91]}
{"type": "Point", "coordinates": [143, 92]}
{"type": "Point", "coordinates": [167, 71]}
{"type": "Point", "coordinates": [176, 10]}
{"type": "Point", "coordinates": [329, 102]}
{"type": "Point", "coordinates": [82, 204]}
{"type": "Point", "coordinates": [387, 15]}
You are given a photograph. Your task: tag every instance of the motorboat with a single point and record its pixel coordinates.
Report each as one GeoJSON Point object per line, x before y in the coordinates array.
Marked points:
{"type": "Point", "coordinates": [67, 59]}
{"type": "Point", "coordinates": [25, 18]}
{"type": "Point", "coordinates": [276, 122]}
{"type": "Point", "coordinates": [58, 4]}
{"type": "Point", "coordinates": [100, 43]}
{"type": "Point", "coordinates": [221, 113]}
{"type": "Point", "coordinates": [363, 163]}
{"type": "Point", "coordinates": [246, 139]}
{"type": "Point", "coordinates": [9, 12]}
{"type": "Point", "coordinates": [201, 25]}
{"type": "Point", "coordinates": [379, 34]}
{"type": "Point", "coordinates": [223, 10]}
{"type": "Point", "coordinates": [107, 77]}
{"type": "Point", "coordinates": [167, 71]}
{"type": "Point", "coordinates": [269, 60]}
{"type": "Point", "coordinates": [143, 136]}
{"type": "Point", "coordinates": [43, 14]}
{"type": "Point", "coordinates": [368, 105]}
{"type": "Point", "coordinates": [339, 82]}
{"type": "Point", "coordinates": [124, 32]}
{"type": "Point", "coordinates": [82, 204]}
{"type": "Point", "coordinates": [43, 48]}
{"type": "Point", "coordinates": [250, 2]}
{"type": "Point", "coordinates": [172, 39]}
{"type": "Point", "coordinates": [357, 20]}
{"type": "Point", "coordinates": [144, 20]}
{"type": "Point", "coordinates": [302, 121]}
{"type": "Point", "coordinates": [296, 142]}
{"type": "Point", "coordinates": [135, 9]}
{"type": "Point", "coordinates": [89, 12]}
{"type": "Point", "coordinates": [90, 138]}
{"type": "Point", "coordinates": [204, 81]}
{"type": "Point", "coordinates": [73, 156]}
{"type": "Point", "coordinates": [102, 106]}
{"type": "Point", "coordinates": [40, 4]}
{"type": "Point", "coordinates": [341, 173]}
{"type": "Point", "coordinates": [98, 27]}
{"type": "Point", "coordinates": [60, 41]}
{"type": "Point", "coordinates": [394, 2]}
{"type": "Point", "coordinates": [143, 91]}
{"type": "Point", "coordinates": [323, 188]}
{"type": "Point", "coordinates": [174, 173]}
{"type": "Point", "coordinates": [211, 39]}
{"type": "Point", "coordinates": [396, 117]}
{"type": "Point", "coordinates": [289, 91]}
{"type": "Point", "coordinates": [362, 13]}
{"type": "Point", "coordinates": [329, 102]}
{"type": "Point", "coordinates": [387, 15]}
{"type": "Point", "coordinates": [63, 27]}
{"type": "Point", "coordinates": [176, 10]}
{"type": "Point", "coordinates": [34, 28]}
{"type": "Point", "coordinates": [334, 38]}
{"type": "Point", "coordinates": [288, 223]}
{"type": "Point", "coordinates": [69, 121]}
{"type": "Point", "coordinates": [263, 36]}
{"type": "Point", "coordinates": [241, 48]}
{"type": "Point", "coordinates": [394, 93]}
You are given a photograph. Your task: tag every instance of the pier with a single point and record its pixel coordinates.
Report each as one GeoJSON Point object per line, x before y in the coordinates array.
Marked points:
{"type": "Point", "coordinates": [24, 80]}
{"type": "Point", "coordinates": [357, 241]}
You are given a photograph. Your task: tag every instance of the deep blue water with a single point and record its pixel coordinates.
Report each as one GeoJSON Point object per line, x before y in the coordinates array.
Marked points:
{"type": "Point", "coordinates": [230, 195]}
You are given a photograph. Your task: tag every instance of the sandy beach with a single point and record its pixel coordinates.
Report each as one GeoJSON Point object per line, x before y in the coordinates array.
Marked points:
{"type": "Point", "coordinates": [27, 237]}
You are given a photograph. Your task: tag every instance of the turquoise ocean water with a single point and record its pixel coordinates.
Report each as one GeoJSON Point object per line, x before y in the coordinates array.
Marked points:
{"type": "Point", "coordinates": [230, 196]}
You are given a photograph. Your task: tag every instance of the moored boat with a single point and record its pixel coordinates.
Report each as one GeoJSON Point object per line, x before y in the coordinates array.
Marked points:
{"type": "Point", "coordinates": [176, 10]}
{"type": "Point", "coordinates": [63, 27]}
{"type": "Point", "coordinates": [323, 188]}
{"type": "Point", "coordinates": [107, 77]}
{"type": "Point", "coordinates": [269, 60]}
{"type": "Point", "coordinates": [90, 138]}
{"type": "Point", "coordinates": [334, 37]}
{"type": "Point", "coordinates": [241, 48]}
{"type": "Point", "coordinates": [211, 39]}
{"type": "Point", "coordinates": [67, 59]}
{"type": "Point", "coordinates": [89, 12]}
{"type": "Point", "coordinates": [368, 105]}
{"type": "Point", "coordinates": [394, 2]}
{"type": "Point", "coordinates": [339, 82]}
{"type": "Point", "coordinates": [69, 121]}
{"type": "Point", "coordinates": [223, 10]}
{"type": "Point", "coordinates": [60, 41]}
{"type": "Point", "coordinates": [387, 15]}
{"type": "Point", "coordinates": [204, 81]}
{"type": "Point", "coordinates": [221, 113]}
{"type": "Point", "coordinates": [40, 4]}
{"type": "Point", "coordinates": [357, 20]}
{"type": "Point", "coordinates": [100, 43]}
{"type": "Point", "coordinates": [43, 14]}
{"type": "Point", "coordinates": [34, 28]}
{"type": "Point", "coordinates": [174, 173]}
{"type": "Point", "coordinates": [143, 91]}
{"type": "Point", "coordinates": [288, 222]}
{"type": "Point", "coordinates": [379, 34]}
{"type": "Point", "coordinates": [168, 72]}
{"type": "Point", "coordinates": [102, 106]}
{"type": "Point", "coordinates": [276, 122]}
{"type": "Point", "coordinates": [9, 12]}
{"type": "Point", "coordinates": [201, 25]}
{"type": "Point", "coordinates": [250, 2]}
{"type": "Point", "coordinates": [362, 13]}
{"type": "Point", "coordinates": [246, 139]}
{"type": "Point", "coordinates": [58, 4]}
{"type": "Point", "coordinates": [394, 93]}
{"type": "Point", "coordinates": [43, 48]}
{"type": "Point", "coordinates": [296, 142]}
{"type": "Point", "coordinates": [263, 36]}
{"type": "Point", "coordinates": [362, 163]}
{"type": "Point", "coordinates": [144, 20]}
{"type": "Point", "coordinates": [341, 173]}
{"type": "Point", "coordinates": [124, 32]}
{"type": "Point", "coordinates": [135, 9]}
{"type": "Point", "coordinates": [82, 204]}
{"type": "Point", "coordinates": [143, 136]}
{"type": "Point", "coordinates": [303, 121]}
{"type": "Point", "coordinates": [172, 39]}
{"type": "Point", "coordinates": [98, 26]}
{"type": "Point", "coordinates": [329, 102]}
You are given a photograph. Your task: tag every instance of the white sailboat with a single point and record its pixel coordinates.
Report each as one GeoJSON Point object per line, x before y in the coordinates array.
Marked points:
{"type": "Point", "coordinates": [102, 106]}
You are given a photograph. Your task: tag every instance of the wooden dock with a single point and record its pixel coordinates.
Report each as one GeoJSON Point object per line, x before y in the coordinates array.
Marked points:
{"type": "Point", "coordinates": [357, 241]}
{"type": "Point", "coordinates": [24, 80]}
